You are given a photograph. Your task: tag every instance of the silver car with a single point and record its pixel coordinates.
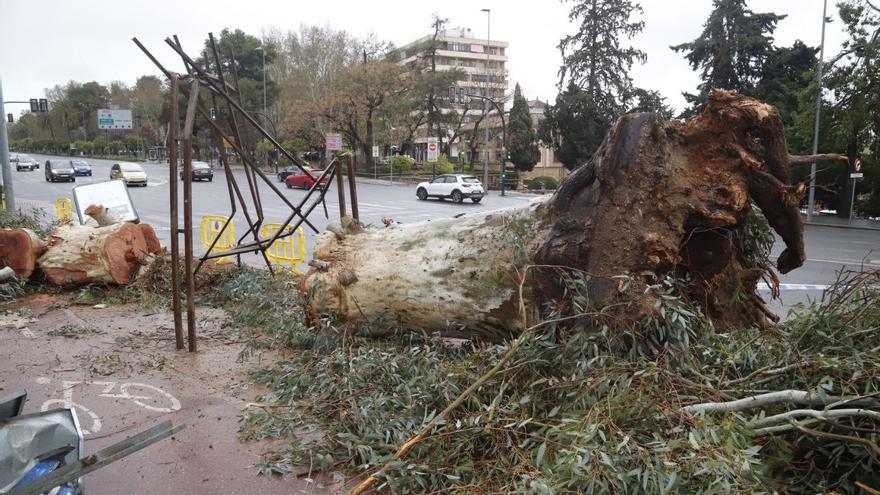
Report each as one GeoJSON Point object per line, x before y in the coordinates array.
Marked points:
{"type": "Point", "coordinates": [24, 162]}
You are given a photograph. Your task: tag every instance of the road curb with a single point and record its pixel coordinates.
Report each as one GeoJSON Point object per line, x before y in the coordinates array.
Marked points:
{"type": "Point", "coordinates": [841, 226]}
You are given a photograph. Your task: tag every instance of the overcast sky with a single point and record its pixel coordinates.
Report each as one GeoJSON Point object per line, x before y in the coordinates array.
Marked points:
{"type": "Point", "coordinates": [43, 42]}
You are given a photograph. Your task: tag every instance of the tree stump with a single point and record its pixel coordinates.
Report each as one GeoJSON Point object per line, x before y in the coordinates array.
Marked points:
{"type": "Point", "coordinates": [19, 250]}
{"type": "Point", "coordinates": [658, 199]}
{"type": "Point", "coordinates": [80, 255]}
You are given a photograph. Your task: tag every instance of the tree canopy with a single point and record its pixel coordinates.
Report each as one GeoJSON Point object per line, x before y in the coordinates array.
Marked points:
{"type": "Point", "coordinates": [731, 51]}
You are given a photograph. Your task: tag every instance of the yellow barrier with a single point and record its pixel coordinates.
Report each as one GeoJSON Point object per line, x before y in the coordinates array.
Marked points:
{"type": "Point", "coordinates": [64, 210]}
{"type": "Point", "coordinates": [211, 226]}
{"type": "Point", "coordinates": [288, 250]}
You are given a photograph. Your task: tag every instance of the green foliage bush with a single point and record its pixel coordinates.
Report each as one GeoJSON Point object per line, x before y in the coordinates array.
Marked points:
{"type": "Point", "coordinates": [542, 182]}
{"type": "Point", "coordinates": [443, 165]}
{"type": "Point", "coordinates": [401, 164]}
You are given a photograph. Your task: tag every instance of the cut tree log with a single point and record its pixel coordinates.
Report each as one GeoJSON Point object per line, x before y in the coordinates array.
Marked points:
{"type": "Point", "coordinates": [80, 255]}
{"type": "Point", "coordinates": [658, 198]}
{"type": "Point", "coordinates": [19, 250]}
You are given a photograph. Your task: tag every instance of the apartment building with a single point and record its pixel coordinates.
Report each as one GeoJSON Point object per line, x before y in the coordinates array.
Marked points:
{"type": "Point", "coordinates": [484, 63]}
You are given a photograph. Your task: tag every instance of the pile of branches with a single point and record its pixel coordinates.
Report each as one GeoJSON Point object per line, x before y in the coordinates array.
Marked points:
{"type": "Point", "coordinates": [583, 402]}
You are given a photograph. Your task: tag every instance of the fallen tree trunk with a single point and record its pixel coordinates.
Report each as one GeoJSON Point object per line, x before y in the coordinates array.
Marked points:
{"type": "Point", "coordinates": [19, 250]}
{"type": "Point", "coordinates": [659, 198]}
{"type": "Point", "coordinates": [80, 255]}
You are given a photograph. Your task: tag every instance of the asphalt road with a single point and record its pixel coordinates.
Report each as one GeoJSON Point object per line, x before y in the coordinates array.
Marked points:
{"type": "Point", "coordinates": [829, 249]}
{"type": "Point", "coordinates": [376, 201]}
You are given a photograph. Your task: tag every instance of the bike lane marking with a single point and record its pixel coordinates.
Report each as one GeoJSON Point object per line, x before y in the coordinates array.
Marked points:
{"type": "Point", "coordinates": [95, 423]}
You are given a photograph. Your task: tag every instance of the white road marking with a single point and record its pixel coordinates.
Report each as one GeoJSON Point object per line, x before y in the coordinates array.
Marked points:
{"type": "Point", "coordinates": [144, 400]}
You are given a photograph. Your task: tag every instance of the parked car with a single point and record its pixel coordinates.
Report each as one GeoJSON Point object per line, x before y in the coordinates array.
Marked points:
{"type": "Point", "coordinates": [454, 186]}
{"type": "Point", "coordinates": [200, 171]}
{"type": "Point", "coordinates": [130, 173]}
{"type": "Point", "coordinates": [302, 180]}
{"type": "Point", "coordinates": [59, 170]}
{"type": "Point", "coordinates": [284, 172]}
{"type": "Point", "coordinates": [81, 167]}
{"type": "Point", "coordinates": [24, 162]}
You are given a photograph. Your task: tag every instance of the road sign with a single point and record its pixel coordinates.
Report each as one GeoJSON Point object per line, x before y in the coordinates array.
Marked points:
{"type": "Point", "coordinates": [433, 150]}
{"type": "Point", "coordinates": [856, 175]}
{"type": "Point", "coordinates": [333, 142]}
{"type": "Point", "coordinates": [375, 152]}
{"type": "Point", "coordinates": [114, 119]}
{"type": "Point", "coordinates": [857, 165]}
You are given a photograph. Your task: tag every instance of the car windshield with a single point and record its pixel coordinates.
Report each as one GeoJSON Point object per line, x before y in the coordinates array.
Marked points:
{"type": "Point", "coordinates": [470, 180]}
{"type": "Point", "coordinates": [200, 165]}
{"type": "Point", "coordinates": [25, 158]}
{"type": "Point", "coordinates": [60, 165]}
{"type": "Point", "coordinates": [130, 167]}
{"type": "Point", "coordinates": [80, 164]}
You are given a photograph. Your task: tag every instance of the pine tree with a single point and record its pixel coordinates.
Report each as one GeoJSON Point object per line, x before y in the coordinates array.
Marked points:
{"type": "Point", "coordinates": [595, 73]}
{"type": "Point", "coordinates": [521, 136]}
{"type": "Point", "coordinates": [731, 51]}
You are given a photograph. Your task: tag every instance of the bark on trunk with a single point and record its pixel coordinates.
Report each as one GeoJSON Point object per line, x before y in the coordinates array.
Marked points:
{"type": "Point", "coordinates": [81, 255]}
{"type": "Point", "coordinates": [659, 198]}
{"type": "Point", "coordinates": [19, 250]}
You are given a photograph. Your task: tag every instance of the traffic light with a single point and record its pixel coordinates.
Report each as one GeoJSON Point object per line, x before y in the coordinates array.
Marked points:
{"type": "Point", "coordinates": [213, 113]}
{"type": "Point", "coordinates": [461, 96]}
{"type": "Point", "coordinates": [451, 94]}
{"type": "Point", "coordinates": [9, 118]}
{"type": "Point", "coordinates": [35, 105]}
{"type": "Point", "coordinates": [44, 105]}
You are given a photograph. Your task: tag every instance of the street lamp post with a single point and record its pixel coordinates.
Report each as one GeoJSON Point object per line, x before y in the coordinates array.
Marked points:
{"type": "Point", "coordinates": [262, 49]}
{"type": "Point", "coordinates": [4, 157]}
{"type": "Point", "coordinates": [486, 105]}
{"type": "Point", "coordinates": [812, 197]}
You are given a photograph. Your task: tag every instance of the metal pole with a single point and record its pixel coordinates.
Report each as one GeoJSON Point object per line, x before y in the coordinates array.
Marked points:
{"type": "Point", "coordinates": [187, 214]}
{"type": "Point", "coordinates": [852, 201]}
{"type": "Point", "coordinates": [340, 185]}
{"type": "Point", "coordinates": [352, 190]}
{"type": "Point", "coordinates": [4, 156]}
{"type": "Point", "coordinates": [175, 234]}
{"type": "Point", "coordinates": [486, 104]}
{"type": "Point", "coordinates": [264, 91]}
{"type": "Point", "coordinates": [812, 197]}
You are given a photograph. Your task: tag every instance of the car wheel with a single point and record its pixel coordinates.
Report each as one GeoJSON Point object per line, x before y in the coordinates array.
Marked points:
{"type": "Point", "coordinates": [210, 179]}
{"type": "Point", "coordinates": [288, 185]}
{"type": "Point", "coordinates": [476, 200]}
{"type": "Point", "coordinates": [457, 197]}
{"type": "Point", "coordinates": [422, 194]}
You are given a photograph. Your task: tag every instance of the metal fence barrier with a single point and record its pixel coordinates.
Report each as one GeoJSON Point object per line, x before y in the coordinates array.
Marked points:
{"type": "Point", "coordinates": [212, 227]}
{"type": "Point", "coordinates": [290, 250]}
{"type": "Point", "coordinates": [64, 210]}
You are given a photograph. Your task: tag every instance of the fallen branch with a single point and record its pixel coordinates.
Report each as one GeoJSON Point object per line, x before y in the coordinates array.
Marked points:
{"type": "Point", "coordinates": [780, 397]}
{"type": "Point", "coordinates": [822, 157]}
{"type": "Point", "coordinates": [762, 424]}
{"type": "Point", "coordinates": [869, 445]}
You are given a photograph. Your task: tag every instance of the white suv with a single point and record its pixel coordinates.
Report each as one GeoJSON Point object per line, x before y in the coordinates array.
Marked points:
{"type": "Point", "coordinates": [456, 187]}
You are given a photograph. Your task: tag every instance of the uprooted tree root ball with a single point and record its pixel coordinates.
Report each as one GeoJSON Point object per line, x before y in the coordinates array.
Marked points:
{"type": "Point", "coordinates": [659, 198]}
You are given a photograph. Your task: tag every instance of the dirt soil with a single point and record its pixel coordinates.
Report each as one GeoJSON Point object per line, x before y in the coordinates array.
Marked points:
{"type": "Point", "coordinates": [118, 366]}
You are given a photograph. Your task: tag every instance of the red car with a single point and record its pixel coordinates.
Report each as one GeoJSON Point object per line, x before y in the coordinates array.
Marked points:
{"type": "Point", "coordinates": [305, 181]}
